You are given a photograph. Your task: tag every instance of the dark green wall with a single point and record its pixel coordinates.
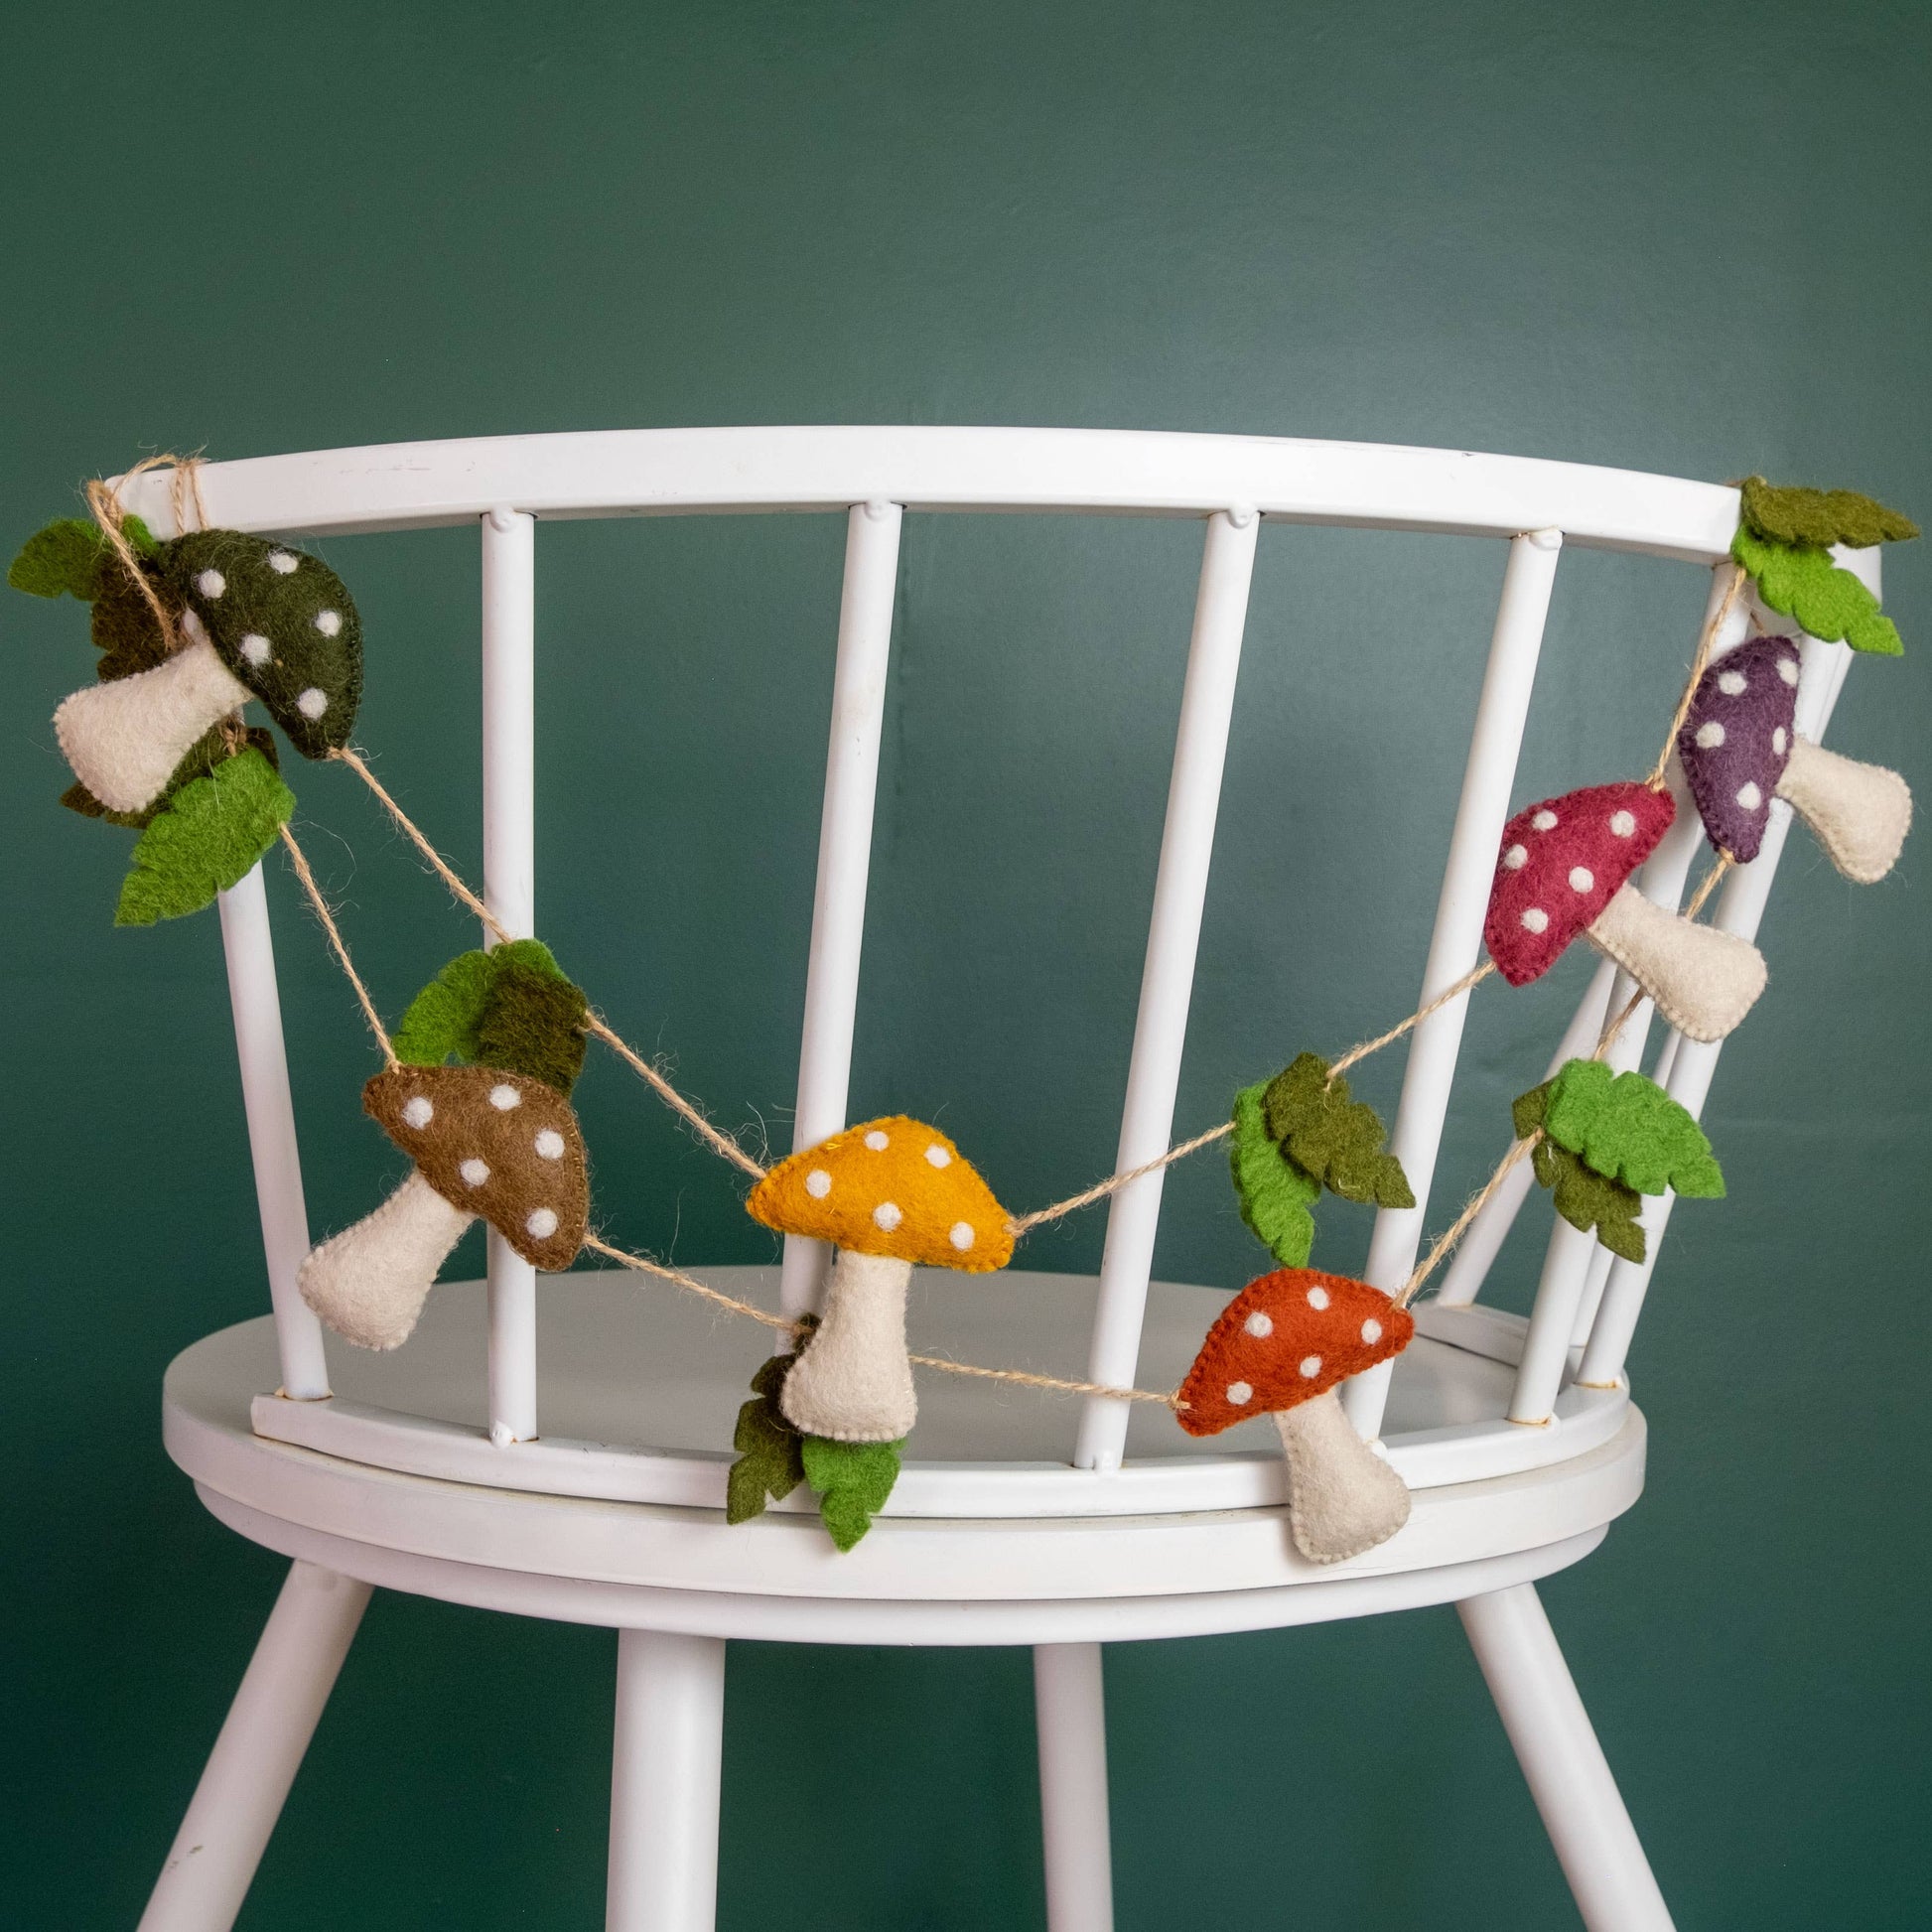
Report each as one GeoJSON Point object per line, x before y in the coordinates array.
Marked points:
{"type": "Point", "coordinates": [1682, 238]}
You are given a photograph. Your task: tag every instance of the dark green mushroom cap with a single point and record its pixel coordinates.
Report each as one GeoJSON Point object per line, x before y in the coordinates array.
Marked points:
{"type": "Point", "coordinates": [282, 621]}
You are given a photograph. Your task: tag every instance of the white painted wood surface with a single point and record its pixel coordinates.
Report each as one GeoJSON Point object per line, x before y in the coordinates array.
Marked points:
{"type": "Point", "coordinates": [1070, 1719]}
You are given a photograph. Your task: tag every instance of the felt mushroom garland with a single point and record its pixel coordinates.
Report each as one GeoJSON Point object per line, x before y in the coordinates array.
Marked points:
{"type": "Point", "coordinates": [1564, 871]}
{"type": "Point", "coordinates": [1282, 1348]}
{"type": "Point", "coordinates": [1740, 749]}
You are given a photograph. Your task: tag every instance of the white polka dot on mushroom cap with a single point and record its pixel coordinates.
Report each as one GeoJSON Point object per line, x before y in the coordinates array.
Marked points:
{"type": "Point", "coordinates": [312, 703]}
{"type": "Point", "coordinates": [256, 649]}
{"type": "Point", "coordinates": [938, 1156]}
{"type": "Point", "coordinates": [329, 623]}
{"type": "Point", "coordinates": [1710, 736]}
{"type": "Point", "coordinates": [1543, 821]}
{"type": "Point", "coordinates": [1581, 879]}
{"type": "Point", "coordinates": [1260, 1324]}
{"type": "Point", "coordinates": [1749, 797]}
{"type": "Point", "coordinates": [283, 562]}
{"type": "Point", "coordinates": [1623, 824]}
{"type": "Point", "coordinates": [210, 583]}
{"type": "Point", "coordinates": [1517, 856]}
{"type": "Point", "coordinates": [961, 1235]}
{"type": "Point", "coordinates": [542, 1223]}
{"type": "Point", "coordinates": [1535, 919]}
{"type": "Point", "coordinates": [1311, 1367]}
{"type": "Point", "coordinates": [1317, 1298]}
{"type": "Point", "coordinates": [1732, 683]}
{"type": "Point", "coordinates": [1372, 1330]}
{"type": "Point", "coordinates": [550, 1144]}
{"type": "Point", "coordinates": [1779, 741]}
{"type": "Point", "coordinates": [887, 1214]}
{"type": "Point", "coordinates": [417, 1111]}
{"type": "Point", "coordinates": [1240, 1392]}
{"type": "Point", "coordinates": [504, 1096]}
{"type": "Point", "coordinates": [192, 623]}
{"type": "Point", "coordinates": [818, 1183]}
{"type": "Point", "coordinates": [473, 1172]}
{"type": "Point", "coordinates": [878, 1142]}
{"type": "Point", "coordinates": [1788, 669]}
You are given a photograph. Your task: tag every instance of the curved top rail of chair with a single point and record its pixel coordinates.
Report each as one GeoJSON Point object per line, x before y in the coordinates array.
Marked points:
{"type": "Point", "coordinates": [667, 472]}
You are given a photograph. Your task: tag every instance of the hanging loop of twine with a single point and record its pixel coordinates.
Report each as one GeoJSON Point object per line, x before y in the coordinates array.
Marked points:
{"type": "Point", "coordinates": [104, 502]}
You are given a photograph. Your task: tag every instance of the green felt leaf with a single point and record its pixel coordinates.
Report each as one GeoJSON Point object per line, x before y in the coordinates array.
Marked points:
{"type": "Point", "coordinates": [214, 830]}
{"type": "Point", "coordinates": [441, 1020]}
{"type": "Point", "coordinates": [1629, 1128]}
{"type": "Point", "coordinates": [208, 751]}
{"type": "Point", "coordinates": [1802, 582]}
{"type": "Point", "coordinates": [511, 1008]}
{"type": "Point", "coordinates": [1583, 1198]}
{"type": "Point", "coordinates": [1821, 517]}
{"type": "Point", "coordinates": [1336, 1139]}
{"type": "Point", "coordinates": [770, 1462]}
{"type": "Point", "coordinates": [1274, 1193]}
{"type": "Point", "coordinates": [65, 558]}
{"type": "Point", "coordinates": [852, 1481]}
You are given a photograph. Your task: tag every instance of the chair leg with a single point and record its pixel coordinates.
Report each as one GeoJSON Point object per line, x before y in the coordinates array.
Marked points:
{"type": "Point", "coordinates": [1594, 1841]}
{"type": "Point", "coordinates": [257, 1754]}
{"type": "Point", "coordinates": [664, 1778]}
{"type": "Point", "coordinates": [1071, 1718]}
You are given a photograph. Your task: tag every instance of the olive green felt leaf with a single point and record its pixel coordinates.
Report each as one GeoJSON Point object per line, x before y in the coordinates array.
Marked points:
{"type": "Point", "coordinates": [213, 831]}
{"type": "Point", "coordinates": [1801, 581]}
{"type": "Point", "coordinates": [770, 1462]}
{"type": "Point", "coordinates": [511, 1008]}
{"type": "Point", "coordinates": [125, 627]}
{"type": "Point", "coordinates": [65, 558]}
{"type": "Point", "coordinates": [1821, 517]}
{"type": "Point", "coordinates": [1336, 1139]}
{"type": "Point", "coordinates": [852, 1481]}
{"type": "Point", "coordinates": [1583, 1198]}
{"type": "Point", "coordinates": [208, 750]}
{"type": "Point", "coordinates": [1629, 1128]}
{"type": "Point", "coordinates": [1274, 1193]}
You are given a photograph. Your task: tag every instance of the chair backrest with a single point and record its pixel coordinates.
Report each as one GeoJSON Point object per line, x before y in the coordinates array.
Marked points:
{"type": "Point", "coordinates": [876, 477]}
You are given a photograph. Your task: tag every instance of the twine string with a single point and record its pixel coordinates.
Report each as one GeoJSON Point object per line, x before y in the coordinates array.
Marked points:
{"type": "Point", "coordinates": [1473, 977]}
{"type": "Point", "coordinates": [299, 860]}
{"type": "Point", "coordinates": [1019, 1223]}
{"type": "Point", "coordinates": [1705, 641]}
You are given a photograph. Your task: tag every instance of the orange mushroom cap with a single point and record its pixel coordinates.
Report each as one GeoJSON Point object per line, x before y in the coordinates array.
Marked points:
{"type": "Point", "coordinates": [1284, 1340]}
{"type": "Point", "coordinates": [893, 1186]}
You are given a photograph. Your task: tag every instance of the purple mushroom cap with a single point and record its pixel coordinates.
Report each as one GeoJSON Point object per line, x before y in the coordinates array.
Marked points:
{"type": "Point", "coordinates": [1737, 740]}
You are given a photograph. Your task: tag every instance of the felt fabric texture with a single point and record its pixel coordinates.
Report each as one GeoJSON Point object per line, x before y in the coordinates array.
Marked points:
{"type": "Point", "coordinates": [210, 835]}
{"type": "Point", "coordinates": [494, 1144]}
{"type": "Point", "coordinates": [1583, 1198]}
{"type": "Point", "coordinates": [1273, 1191]}
{"type": "Point", "coordinates": [71, 556]}
{"type": "Point", "coordinates": [510, 1008]}
{"type": "Point", "coordinates": [1736, 738]}
{"type": "Point", "coordinates": [123, 624]}
{"type": "Point", "coordinates": [1336, 1139]}
{"type": "Point", "coordinates": [1791, 515]}
{"type": "Point", "coordinates": [1859, 813]}
{"type": "Point", "coordinates": [1342, 1498]}
{"type": "Point", "coordinates": [440, 1022]}
{"type": "Point", "coordinates": [370, 1282]}
{"type": "Point", "coordinates": [1562, 863]}
{"type": "Point", "coordinates": [124, 740]}
{"type": "Point", "coordinates": [1704, 981]}
{"type": "Point", "coordinates": [852, 1382]}
{"type": "Point", "coordinates": [283, 622]}
{"type": "Point", "coordinates": [891, 1186]}
{"type": "Point", "coordinates": [211, 749]}
{"type": "Point", "coordinates": [1284, 1340]}
{"type": "Point", "coordinates": [1629, 1128]}
{"type": "Point", "coordinates": [1802, 582]}
{"type": "Point", "coordinates": [852, 1481]}
{"type": "Point", "coordinates": [770, 1453]}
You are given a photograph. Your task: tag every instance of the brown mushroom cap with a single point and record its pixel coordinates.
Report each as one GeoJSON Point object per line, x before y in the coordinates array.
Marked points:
{"type": "Point", "coordinates": [493, 1144]}
{"type": "Point", "coordinates": [1283, 1340]}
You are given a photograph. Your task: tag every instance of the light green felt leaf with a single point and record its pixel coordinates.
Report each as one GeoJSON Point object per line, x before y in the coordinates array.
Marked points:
{"type": "Point", "coordinates": [1802, 582]}
{"type": "Point", "coordinates": [441, 1020]}
{"type": "Point", "coordinates": [214, 830]}
{"type": "Point", "coordinates": [1629, 1128]}
{"type": "Point", "coordinates": [1583, 1198]}
{"type": "Point", "coordinates": [1274, 1193]}
{"type": "Point", "coordinates": [1821, 517]}
{"type": "Point", "coordinates": [66, 557]}
{"type": "Point", "coordinates": [1336, 1139]}
{"type": "Point", "coordinates": [770, 1462]}
{"type": "Point", "coordinates": [852, 1481]}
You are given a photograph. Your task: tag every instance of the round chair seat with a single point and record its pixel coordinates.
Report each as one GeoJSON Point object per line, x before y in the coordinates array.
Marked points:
{"type": "Point", "coordinates": [617, 1518]}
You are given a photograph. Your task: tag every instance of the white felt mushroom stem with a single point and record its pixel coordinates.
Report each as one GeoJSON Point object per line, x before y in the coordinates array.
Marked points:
{"type": "Point", "coordinates": [1704, 981]}
{"type": "Point", "coordinates": [1342, 1498]}
{"type": "Point", "coordinates": [370, 1282]}
{"type": "Point", "coordinates": [125, 738]}
{"type": "Point", "coordinates": [1859, 813]}
{"type": "Point", "coordinates": [853, 1383]}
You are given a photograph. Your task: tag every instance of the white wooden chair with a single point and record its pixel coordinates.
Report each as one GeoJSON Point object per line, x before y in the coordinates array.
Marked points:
{"type": "Point", "coordinates": [1035, 1521]}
